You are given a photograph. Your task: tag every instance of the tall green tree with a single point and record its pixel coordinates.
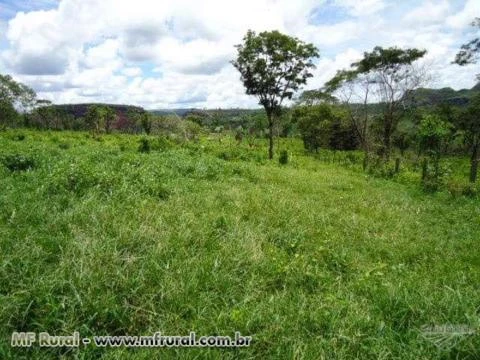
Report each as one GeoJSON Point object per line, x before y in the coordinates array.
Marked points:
{"type": "Point", "coordinates": [272, 67]}
{"type": "Point", "coordinates": [100, 118]}
{"type": "Point", "coordinates": [94, 118]}
{"type": "Point", "coordinates": [110, 116]}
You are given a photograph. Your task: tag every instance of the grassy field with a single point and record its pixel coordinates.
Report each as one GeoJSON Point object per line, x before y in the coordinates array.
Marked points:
{"type": "Point", "coordinates": [312, 259]}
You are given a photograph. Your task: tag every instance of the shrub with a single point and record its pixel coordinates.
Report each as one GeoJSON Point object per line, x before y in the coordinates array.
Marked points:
{"type": "Point", "coordinates": [470, 190]}
{"type": "Point", "coordinates": [380, 169]}
{"type": "Point", "coordinates": [461, 188]}
{"type": "Point", "coordinates": [431, 184]}
{"type": "Point", "coordinates": [283, 159]}
{"type": "Point", "coordinates": [144, 145]}
{"type": "Point", "coordinates": [64, 146]}
{"type": "Point", "coordinates": [162, 143]}
{"type": "Point", "coordinates": [19, 137]}
{"type": "Point", "coordinates": [18, 162]}
{"type": "Point", "coordinates": [434, 175]}
{"type": "Point", "coordinates": [79, 178]}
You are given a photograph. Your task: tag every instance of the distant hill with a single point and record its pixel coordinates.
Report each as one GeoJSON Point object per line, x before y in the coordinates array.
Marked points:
{"type": "Point", "coordinates": [431, 97]}
{"type": "Point", "coordinates": [205, 112]}
{"type": "Point", "coordinates": [79, 110]}
{"type": "Point", "coordinates": [123, 121]}
{"type": "Point", "coordinates": [179, 112]}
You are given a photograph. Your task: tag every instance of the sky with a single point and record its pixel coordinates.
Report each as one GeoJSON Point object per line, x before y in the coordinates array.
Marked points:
{"type": "Point", "coordinates": [176, 53]}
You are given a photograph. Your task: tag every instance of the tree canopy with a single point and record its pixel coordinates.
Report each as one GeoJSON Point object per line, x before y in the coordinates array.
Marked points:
{"type": "Point", "coordinates": [470, 52]}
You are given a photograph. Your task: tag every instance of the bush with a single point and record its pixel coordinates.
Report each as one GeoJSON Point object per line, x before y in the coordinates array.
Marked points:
{"type": "Point", "coordinates": [18, 162]}
{"type": "Point", "coordinates": [283, 159]}
{"type": "Point", "coordinates": [79, 179]}
{"type": "Point", "coordinates": [461, 188]}
{"type": "Point", "coordinates": [470, 190]}
{"type": "Point", "coordinates": [434, 175]}
{"type": "Point", "coordinates": [144, 145]}
{"type": "Point", "coordinates": [162, 143]}
{"type": "Point", "coordinates": [380, 169]}
{"type": "Point", "coordinates": [64, 146]}
{"type": "Point", "coordinates": [431, 184]}
{"type": "Point", "coordinates": [19, 137]}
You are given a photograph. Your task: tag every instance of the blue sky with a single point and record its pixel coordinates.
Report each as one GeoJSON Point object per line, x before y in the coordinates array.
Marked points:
{"type": "Point", "coordinates": [175, 53]}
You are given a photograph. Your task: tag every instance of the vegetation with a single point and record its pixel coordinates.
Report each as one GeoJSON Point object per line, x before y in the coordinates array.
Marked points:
{"type": "Point", "coordinates": [311, 258]}
{"type": "Point", "coordinates": [356, 240]}
{"type": "Point", "coordinates": [13, 95]}
{"type": "Point", "coordinates": [272, 67]}
{"type": "Point", "coordinates": [386, 76]}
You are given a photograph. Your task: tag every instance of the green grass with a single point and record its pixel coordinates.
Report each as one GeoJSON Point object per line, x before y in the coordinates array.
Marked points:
{"type": "Point", "coordinates": [312, 259]}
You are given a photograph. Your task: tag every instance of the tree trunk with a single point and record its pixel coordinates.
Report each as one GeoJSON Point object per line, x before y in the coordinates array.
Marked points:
{"type": "Point", "coordinates": [365, 157]}
{"type": "Point", "coordinates": [424, 169]}
{"type": "Point", "coordinates": [474, 163]}
{"type": "Point", "coordinates": [387, 136]}
{"type": "Point", "coordinates": [397, 165]}
{"type": "Point", "coordinates": [270, 135]}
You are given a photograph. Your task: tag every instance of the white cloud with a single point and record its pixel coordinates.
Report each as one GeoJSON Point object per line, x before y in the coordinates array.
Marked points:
{"type": "Point", "coordinates": [362, 7]}
{"type": "Point", "coordinates": [465, 17]}
{"type": "Point", "coordinates": [132, 71]}
{"type": "Point", "coordinates": [428, 12]}
{"type": "Point", "coordinates": [176, 52]}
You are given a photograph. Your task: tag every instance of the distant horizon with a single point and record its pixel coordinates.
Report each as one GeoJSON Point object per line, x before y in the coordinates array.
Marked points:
{"type": "Point", "coordinates": [258, 107]}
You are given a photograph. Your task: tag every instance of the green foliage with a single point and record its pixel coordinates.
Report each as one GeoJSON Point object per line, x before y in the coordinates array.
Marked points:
{"type": "Point", "coordinates": [470, 124]}
{"type": "Point", "coordinates": [324, 126]}
{"type": "Point", "coordinates": [461, 188]}
{"type": "Point", "coordinates": [100, 118]}
{"type": "Point", "coordinates": [147, 122]}
{"type": "Point", "coordinates": [19, 137]}
{"type": "Point", "coordinates": [144, 145]}
{"type": "Point", "coordinates": [8, 114]}
{"type": "Point", "coordinates": [272, 67]}
{"type": "Point", "coordinates": [94, 118]}
{"type": "Point", "coordinates": [64, 145]}
{"type": "Point", "coordinates": [283, 158]}
{"type": "Point", "coordinates": [469, 119]}
{"type": "Point", "coordinates": [433, 132]}
{"type": "Point", "coordinates": [18, 162]}
{"type": "Point", "coordinates": [390, 61]}
{"type": "Point", "coordinates": [191, 130]}
{"type": "Point", "coordinates": [109, 117]}
{"type": "Point", "coordinates": [47, 116]}
{"type": "Point", "coordinates": [315, 97]}
{"type": "Point", "coordinates": [314, 124]}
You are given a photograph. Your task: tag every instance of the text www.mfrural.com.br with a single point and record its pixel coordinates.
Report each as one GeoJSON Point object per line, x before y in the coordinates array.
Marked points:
{"type": "Point", "coordinates": [44, 339]}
